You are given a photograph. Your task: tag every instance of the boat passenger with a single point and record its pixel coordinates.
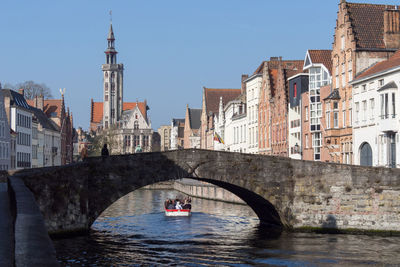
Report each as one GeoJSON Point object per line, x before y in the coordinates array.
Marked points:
{"type": "Point", "coordinates": [178, 205]}
{"type": "Point", "coordinates": [170, 205]}
{"type": "Point", "coordinates": [187, 205]}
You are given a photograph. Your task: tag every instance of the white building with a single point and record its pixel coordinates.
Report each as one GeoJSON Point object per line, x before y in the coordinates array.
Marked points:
{"type": "Point", "coordinates": [19, 117]}
{"type": "Point", "coordinates": [177, 133]}
{"type": "Point", "coordinates": [5, 138]}
{"type": "Point", "coordinates": [253, 87]}
{"type": "Point", "coordinates": [46, 144]}
{"type": "Point", "coordinates": [235, 125]}
{"type": "Point", "coordinates": [376, 107]}
{"type": "Point", "coordinates": [298, 85]}
{"type": "Point", "coordinates": [128, 122]}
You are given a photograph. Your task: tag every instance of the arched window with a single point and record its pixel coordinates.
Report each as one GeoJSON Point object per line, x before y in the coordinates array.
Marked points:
{"type": "Point", "coordinates": [106, 74]}
{"type": "Point", "coordinates": [365, 155]}
{"type": "Point", "coordinates": [136, 125]}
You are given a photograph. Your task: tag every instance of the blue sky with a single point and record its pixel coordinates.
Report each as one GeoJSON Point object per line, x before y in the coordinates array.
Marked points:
{"type": "Point", "coordinates": [170, 49]}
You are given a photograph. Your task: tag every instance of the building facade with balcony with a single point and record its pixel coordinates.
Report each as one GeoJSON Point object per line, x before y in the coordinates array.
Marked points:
{"type": "Point", "coordinates": [364, 35]}
{"type": "Point", "coordinates": [376, 122]}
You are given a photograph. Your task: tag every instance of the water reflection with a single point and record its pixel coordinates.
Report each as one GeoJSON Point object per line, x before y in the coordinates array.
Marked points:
{"type": "Point", "coordinates": [134, 231]}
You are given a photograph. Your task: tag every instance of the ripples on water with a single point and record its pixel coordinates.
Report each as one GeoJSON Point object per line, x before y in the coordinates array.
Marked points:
{"type": "Point", "coordinates": [134, 232]}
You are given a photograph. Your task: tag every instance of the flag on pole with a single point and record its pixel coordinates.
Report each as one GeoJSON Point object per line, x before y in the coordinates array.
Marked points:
{"type": "Point", "coordinates": [218, 138]}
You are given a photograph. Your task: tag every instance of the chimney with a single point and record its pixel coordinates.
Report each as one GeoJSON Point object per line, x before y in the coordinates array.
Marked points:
{"type": "Point", "coordinates": [40, 102]}
{"type": "Point", "coordinates": [391, 26]}
{"type": "Point", "coordinates": [244, 77]}
{"type": "Point", "coordinates": [21, 91]}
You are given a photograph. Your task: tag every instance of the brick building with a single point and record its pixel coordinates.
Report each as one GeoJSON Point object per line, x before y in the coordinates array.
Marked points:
{"type": "Point", "coordinates": [273, 105]}
{"type": "Point", "coordinates": [364, 35]}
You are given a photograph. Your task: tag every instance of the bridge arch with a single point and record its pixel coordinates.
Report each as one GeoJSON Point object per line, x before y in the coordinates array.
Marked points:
{"type": "Point", "coordinates": [299, 193]}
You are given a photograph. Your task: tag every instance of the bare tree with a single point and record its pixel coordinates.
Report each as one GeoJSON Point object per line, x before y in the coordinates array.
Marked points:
{"type": "Point", "coordinates": [31, 89]}
{"type": "Point", "coordinates": [106, 136]}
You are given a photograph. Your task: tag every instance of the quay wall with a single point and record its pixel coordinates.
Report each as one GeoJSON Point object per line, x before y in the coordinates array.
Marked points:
{"type": "Point", "coordinates": [206, 191]}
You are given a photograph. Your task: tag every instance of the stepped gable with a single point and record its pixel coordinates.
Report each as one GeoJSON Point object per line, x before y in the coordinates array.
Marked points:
{"type": "Point", "coordinates": [392, 62]}
{"type": "Point", "coordinates": [367, 21]}
{"type": "Point", "coordinates": [212, 97]}
{"type": "Point", "coordinates": [322, 56]}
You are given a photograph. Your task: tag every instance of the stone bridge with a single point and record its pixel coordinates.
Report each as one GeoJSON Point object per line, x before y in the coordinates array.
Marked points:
{"type": "Point", "coordinates": [281, 191]}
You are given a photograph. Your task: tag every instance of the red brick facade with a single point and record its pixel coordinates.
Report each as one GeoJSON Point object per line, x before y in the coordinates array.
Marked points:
{"type": "Point", "coordinates": [273, 105]}
{"type": "Point", "coordinates": [364, 34]}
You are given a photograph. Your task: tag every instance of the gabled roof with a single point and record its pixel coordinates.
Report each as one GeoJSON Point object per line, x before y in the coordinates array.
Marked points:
{"type": "Point", "coordinates": [194, 118]}
{"type": "Point", "coordinates": [392, 62]}
{"type": "Point", "coordinates": [320, 57]}
{"type": "Point", "coordinates": [96, 113]}
{"type": "Point", "coordinates": [367, 22]}
{"type": "Point", "coordinates": [334, 95]}
{"type": "Point", "coordinates": [390, 85]}
{"type": "Point", "coordinates": [16, 99]}
{"type": "Point", "coordinates": [212, 97]}
{"type": "Point", "coordinates": [44, 120]}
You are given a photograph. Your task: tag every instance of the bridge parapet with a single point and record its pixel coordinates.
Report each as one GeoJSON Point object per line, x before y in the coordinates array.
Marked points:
{"type": "Point", "coordinates": [281, 191]}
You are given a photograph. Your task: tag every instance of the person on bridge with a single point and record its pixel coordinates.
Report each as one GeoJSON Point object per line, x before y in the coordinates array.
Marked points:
{"type": "Point", "coordinates": [84, 153]}
{"type": "Point", "coordinates": [104, 151]}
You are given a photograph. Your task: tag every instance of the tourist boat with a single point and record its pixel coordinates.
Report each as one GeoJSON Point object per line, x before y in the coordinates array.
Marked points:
{"type": "Point", "coordinates": [175, 212]}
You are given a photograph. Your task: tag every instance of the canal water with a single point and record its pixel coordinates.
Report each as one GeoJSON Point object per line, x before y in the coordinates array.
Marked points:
{"type": "Point", "coordinates": [135, 232]}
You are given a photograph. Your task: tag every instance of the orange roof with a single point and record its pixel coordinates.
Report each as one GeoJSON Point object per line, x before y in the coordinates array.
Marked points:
{"type": "Point", "coordinates": [96, 112]}
{"type": "Point", "coordinates": [367, 21]}
{"type": "Point", "coordinates": [212, 97]}
{"type": "Point", "coordinates": [323, 57]}
{"type": "Point", "coordinates": [393, 61]}
{"type": "Point", "coordinates": [49, 106]}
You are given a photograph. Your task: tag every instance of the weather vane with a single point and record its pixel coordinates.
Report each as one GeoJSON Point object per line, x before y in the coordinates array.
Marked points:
{"type": "Point", "coordinates": [111, 16]}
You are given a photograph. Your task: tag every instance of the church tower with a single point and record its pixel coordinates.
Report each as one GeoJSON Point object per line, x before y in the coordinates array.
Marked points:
{"type": "Point", "coordinates": [112, 84]}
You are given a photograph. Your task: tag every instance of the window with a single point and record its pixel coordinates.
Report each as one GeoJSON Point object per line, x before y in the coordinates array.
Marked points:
{"type": "Point", "coordinates": [343, 75]}
{"type": "Point", "coordinates": [335, 105]}
{"type": "Point", "coordinates": [371, 108]}
{"type": "Point", "coordinates": [364, 87]}
{"type": "Point", "coordinates": [342, 42]}
{"type": "Point", "coordinates": [136, 125]}
{"type": "Point", "coordinates": [384, 106]}
{"type": "Point", "coordinates": [344, 118]}
{"type": "Point", "coordinates": [357, 111]}
{"type": "Point", "coordinates": [364, 106]}
{"type": "Point", "coordinates": [380, 83]}
{"type": "Point", "coordinates": [336, 119]}
{"type": "Point", "coordinates": [306, 140]}
{"type": "Point", "coordinates": [393, 105]}
{"type": "Point", "coordinates": [328, 119]}
{"type": "Point", "coordinates": [306, 112]}
{"type": "Point", "coordinates": [317, 145]}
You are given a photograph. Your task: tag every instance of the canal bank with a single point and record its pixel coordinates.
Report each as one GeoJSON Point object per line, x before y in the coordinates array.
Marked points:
{"type": "Point", "coordinates": [198, 189]}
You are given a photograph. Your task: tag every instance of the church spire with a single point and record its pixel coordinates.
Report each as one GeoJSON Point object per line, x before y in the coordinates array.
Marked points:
{"type": "Point", "coordinates": [111, 53]}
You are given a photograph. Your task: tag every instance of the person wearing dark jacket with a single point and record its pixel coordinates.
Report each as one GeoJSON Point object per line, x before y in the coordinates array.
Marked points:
{"type": "Point", "coordinates": [104, 151]}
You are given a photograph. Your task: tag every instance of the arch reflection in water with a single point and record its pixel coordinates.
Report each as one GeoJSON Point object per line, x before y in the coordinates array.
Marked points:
{"type": "Point", "coordinates": [134, 231]}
